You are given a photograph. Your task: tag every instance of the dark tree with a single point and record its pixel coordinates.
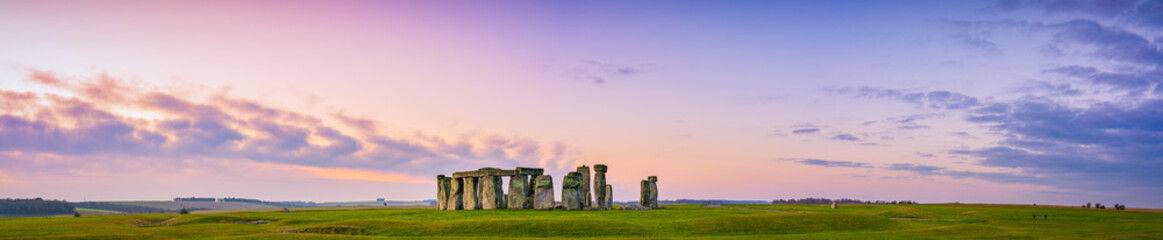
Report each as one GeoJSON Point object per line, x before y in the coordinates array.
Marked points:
{"type": "Point", "coordinates": [35, 206]}
{"type": "Point", "coordinates": [184, 211]}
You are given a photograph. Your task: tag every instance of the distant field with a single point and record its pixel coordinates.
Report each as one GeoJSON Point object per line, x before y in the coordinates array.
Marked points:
{"type": "Point", "coordinates": [170, 206]}
{"type": "Point", "coordinates": [677, 221]}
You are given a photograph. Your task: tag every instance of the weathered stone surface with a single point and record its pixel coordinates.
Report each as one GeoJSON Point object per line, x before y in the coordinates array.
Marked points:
{"type": "Point", "coordinates": [543, 192]}
{"type": "Point", "coordinates": [609, 195]}
{"type": "Point", "coordinates": [518, 186]}
{"type": "Point", "coordinates": [529, 194]}
{"type": "Point", "coordinates": [488, 171]}
{"type": "Point", "coordinates": [644, 194]}
{"type": "Point", "coordinates": [499, 190]}
{"type": "Point", "coordinates": [633, 207]}
{"type": "Point", "coordinates": [529, 171]}
{"type": "Point", "coordinates": [492, 195]}
{"type": "Point", "coordinates": [599, 186]}
{"type": "Point", "coordinates": [471, 191]}
{"type": "Point", "coordinates": [441, 192]}
{"type": "Point", "coordinates": [571, 197]}
{"type": "Point", "coordinates": [653, 192]}
{"type": "Point", "coordinates": [485, 173]}
{"type": "Point", "coordinates": [455, 194]}
{"type": "Point", "coordinates": [588, 199]}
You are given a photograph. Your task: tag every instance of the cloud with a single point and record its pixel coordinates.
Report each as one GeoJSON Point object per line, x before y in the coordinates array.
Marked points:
{"type": "Point", "coordinates": [806, 130]}
{"type": "Point", "coordinates": [1046, 88]}
{"type": "Point", "coordinates": [827, 163]}
{"type": "Point", "coordinates": [1106, 144]}
{"type": "Point", "coordinates": [1143, 13]}
{"type": "Point", "coordinates": [1113, 43]}
{"type": "Point", "coordinates": [1136, 82]}
{"type": "Point", "coordinates": [923, 170]}
{"type": "Point", "coordinates": [932, 99]}
{"type": "Point", "coordinates": [596, 72]}
{"type": "Point", "coordinates": [978, 43]}
{"type": "Point", "coordinates": [223, 127]}
{"type": "Point", "coordinates": [845, 137]}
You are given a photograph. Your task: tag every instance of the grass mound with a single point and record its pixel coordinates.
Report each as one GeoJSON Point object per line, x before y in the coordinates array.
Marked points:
{"type": "Point", "coordinates": [152, 222]}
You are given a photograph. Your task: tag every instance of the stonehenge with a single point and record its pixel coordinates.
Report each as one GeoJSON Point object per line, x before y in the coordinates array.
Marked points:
{"type": "Point", "coordinates": [609, 196]}
{"type": "Point", "coordinates": [441, 192]}
{"type": "Point", "coordinates": [529, 188]}
{"type": "Point", "coordinates": [644, 194]}
{"type": "Point", "coordinates": [455, 194]}
{"type": "Point", "coordinates": [471, 197]}
{"type": "Point", "coordinates": [649, 193]}
{"type": "Point", "coordinates": [518, 192]}
{"type": "Point", "coordinates": [543, 195]}
{"type": "Point", "coordinates": [571, 194]}
{"type": "Point", "coordinates": [600, 186]}
{"type": "Point", "coordinates": [584, 171]}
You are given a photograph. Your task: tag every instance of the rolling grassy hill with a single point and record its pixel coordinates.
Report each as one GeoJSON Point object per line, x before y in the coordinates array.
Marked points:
{"type": "Point", "coordinates": [676, 221]}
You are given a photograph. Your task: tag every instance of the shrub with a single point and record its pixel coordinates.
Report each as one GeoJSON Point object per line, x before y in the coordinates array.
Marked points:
{"type": "Point", "coordinates": [184, 211]}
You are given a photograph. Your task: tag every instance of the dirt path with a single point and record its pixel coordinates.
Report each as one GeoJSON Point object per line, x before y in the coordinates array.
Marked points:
{"type": "Point", "coordinates": [739, 208]}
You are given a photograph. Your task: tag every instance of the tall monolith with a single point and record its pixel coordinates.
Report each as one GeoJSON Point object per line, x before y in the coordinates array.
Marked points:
{"type": "Point", "coordinates": [644, 194]}
{"type": "Point", "coordinates": [543, 193]}
{"type": "Point", "coordinates": [530, 194]}
{"type": "Point", "coordinates": [471, 190]}
{"type": "Point", "coordinates": [441, 193]}
{"type": "Point", "coordinates": [517, 188]}
{"type": "Point", "coordinates": [455, 194]}
{"type": "Point", "coordinates": [610, 196]}
{"type": "Point", "coordinates": [653, 191]}
{"type": "Point", "coordinates": [600, 186]}
{"type": "Point", "coordinates": [571, 197]}
{"type": "Point", "coordinates": [587, 201]}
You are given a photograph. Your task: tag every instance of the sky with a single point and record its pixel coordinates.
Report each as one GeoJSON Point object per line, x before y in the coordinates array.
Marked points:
{"type": "Point", "coordinates": [1048, 102]}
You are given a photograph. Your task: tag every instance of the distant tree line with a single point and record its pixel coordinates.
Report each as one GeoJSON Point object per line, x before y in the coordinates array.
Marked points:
{"type": "Point", "coordinates": [118, 207]}
{"type": "Point", "coordinates": [292, 204]}
{"type": "Point", "coordinates": [839, 201]}
{"type": "Point", "coordinates": [194, 199]}
{"type": "Point", "coordinates": [706, 201]}
{"type": "Point", "coordinates": [1119, 207]}
{"type": "Point", "coordinates": [247, 200]}
{"type": "Point", "coordinates": [35, 206]}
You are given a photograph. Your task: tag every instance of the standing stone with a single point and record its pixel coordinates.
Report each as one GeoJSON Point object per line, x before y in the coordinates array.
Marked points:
{"type": "Point", "coordinates": [585, 179]}
{"type": "Point", "coordinates": [529, 195]}
{"type": "Point", "coordinates": [571, 197]}
{"type": "Point", "coordinates": [455, 192]}
{"type": "Point", "coordinates": [502, 200]}
{"type": "Point", "coordinates": [489, 197]}
{"type": "Point", "coordinates": [441, 192]}
{"type": "Point", "coordinates": [543, 199]}
{"type": "Point", "coordinates": [644, 194]}
{"type": "Point", "coordinates": [471, 199]}
{"type": "Point", "coordinates": [609, 195]}
{"type": "Point", "coordinates": [518, 185]}
{"type": "Point", "coordinates": [600, 186]}
{"type": "Point", "coordinates": [653, 191]}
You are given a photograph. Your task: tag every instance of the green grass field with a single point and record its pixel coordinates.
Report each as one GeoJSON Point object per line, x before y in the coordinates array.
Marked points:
{"type": "Point", "coordinates": [676, 221]}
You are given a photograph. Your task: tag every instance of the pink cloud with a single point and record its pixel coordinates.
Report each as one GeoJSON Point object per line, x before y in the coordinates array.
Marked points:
{"type": "Point", "coordinates": [222, 127]}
